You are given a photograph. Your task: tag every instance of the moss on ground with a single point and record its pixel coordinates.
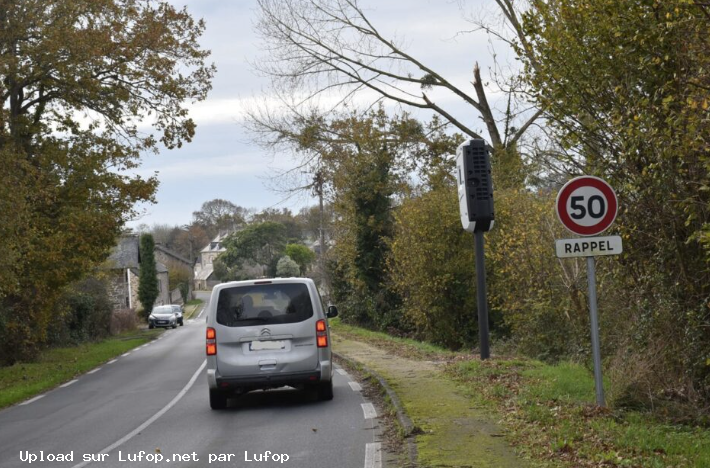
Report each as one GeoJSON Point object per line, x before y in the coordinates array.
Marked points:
{"type": "Point", "coordinates": [452, 432]}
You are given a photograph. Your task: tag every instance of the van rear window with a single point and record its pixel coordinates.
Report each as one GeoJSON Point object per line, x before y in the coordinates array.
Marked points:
{"type": "Point", "coordinates": [264, 304]}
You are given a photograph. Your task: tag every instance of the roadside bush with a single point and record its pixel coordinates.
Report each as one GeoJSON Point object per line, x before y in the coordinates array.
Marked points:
{"type": "Point", "coordinates": [84, 314]}
{"type": "Point", "coordinates": [358, 309]}
{"type": "Point", "coordinates": [122, 321]}
{"type": "Point", "coordinates": [541, 299]}
{"type": "Point", "coordinates": [633, 109]}
{"type": "Point", "coordinates": [184, 291]}
{"type": "Point", "coordinates": [536, 302]}
{"type": "Point", "coordinates": [15, 331]}
{"type": "Point", "coordinates": [433, 269]}
{"type": "Point", "coordinates": [656, 350]}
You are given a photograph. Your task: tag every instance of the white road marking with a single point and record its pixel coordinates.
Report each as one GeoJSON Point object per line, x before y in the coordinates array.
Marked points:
{"type": "Point", "coordinates": [201, 312]}
{"type": "Point", "coordinates": [153, 418]}
{"type": "Point", "coordinates": [112, 361]}
{"type": "Point", "coordinates": [355, 386]}
{"type": "Point", "coordinates": [125, 354]}
{"type": "Point", "coordinates": [95, 370]}
{"type": "Point", "coordinates": [373, 455]}
{"type": "Point", "coordinates": [31, 400]}
{"type": "Point", "coordinates": [369, 410]}
{"type": "Point", "coordinates": [341, 371]}
{"type": "Point", "coordinates": [68, 383]}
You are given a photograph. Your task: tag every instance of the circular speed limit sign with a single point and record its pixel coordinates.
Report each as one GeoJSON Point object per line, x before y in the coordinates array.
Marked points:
{"type": "Point", "coordinates": [586, 205]}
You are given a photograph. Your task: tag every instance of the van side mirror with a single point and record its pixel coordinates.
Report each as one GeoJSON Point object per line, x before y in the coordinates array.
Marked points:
{"type": "Point", "coordinates": [332, 312]}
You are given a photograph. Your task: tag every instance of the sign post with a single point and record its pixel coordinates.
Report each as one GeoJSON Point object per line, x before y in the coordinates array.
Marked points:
{"type": "Point", "coordinates": [594, 323]}
{"type": "Point", "coordinates": [587, 206]}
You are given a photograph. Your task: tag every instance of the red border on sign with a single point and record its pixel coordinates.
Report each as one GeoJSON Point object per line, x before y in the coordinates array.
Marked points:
{"type": "Point", "coordinates": [574, 184]}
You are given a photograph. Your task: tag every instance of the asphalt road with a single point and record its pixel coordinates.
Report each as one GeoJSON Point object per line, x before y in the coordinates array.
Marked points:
{"type": "Point", "coordinates": [153, 402]}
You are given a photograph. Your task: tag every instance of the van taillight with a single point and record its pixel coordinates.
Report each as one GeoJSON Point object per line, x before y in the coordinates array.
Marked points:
{"type": "Point", "coordinates": [321, 334]}
{"type": "Point", "coordinates": [211, 341]}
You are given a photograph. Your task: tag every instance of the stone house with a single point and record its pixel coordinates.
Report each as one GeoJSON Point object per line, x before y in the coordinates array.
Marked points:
{"type": "Point", "coordinates": [123, 270]}
{"type": "Point", "coordinates": [204, 268]}
{"type": "Point", "coordinates": [176, 262]}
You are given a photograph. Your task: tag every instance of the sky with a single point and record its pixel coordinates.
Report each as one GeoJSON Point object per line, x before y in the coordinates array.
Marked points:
{"type": "Point", "coordinates": [222, 161]}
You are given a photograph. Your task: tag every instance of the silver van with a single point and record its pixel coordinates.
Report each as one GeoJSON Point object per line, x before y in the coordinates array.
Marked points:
{"type": "Point", "coordinates": [267, 333]}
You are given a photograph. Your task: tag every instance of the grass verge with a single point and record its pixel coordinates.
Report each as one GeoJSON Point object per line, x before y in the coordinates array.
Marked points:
{"type": "Point", "coordinates": [404, 347]}
{"type": "Point", "coordinates": [549, 411]}
{"type": "Point", "coordinates": [191, 308]}
{"type": "Point", "coordinates": [58, 365]}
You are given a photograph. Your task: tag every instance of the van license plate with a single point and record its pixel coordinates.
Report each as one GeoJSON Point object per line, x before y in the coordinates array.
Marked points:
{"type": "Point", "coordinates": [266, 345]}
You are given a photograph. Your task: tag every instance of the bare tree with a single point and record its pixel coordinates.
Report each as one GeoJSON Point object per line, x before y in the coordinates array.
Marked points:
{"type": "Point", "coordinates": [317, 46]}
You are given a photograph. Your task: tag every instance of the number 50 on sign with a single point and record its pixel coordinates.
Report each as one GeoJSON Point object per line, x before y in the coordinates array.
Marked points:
{"type": "Point", "coordinates": [586, 205]}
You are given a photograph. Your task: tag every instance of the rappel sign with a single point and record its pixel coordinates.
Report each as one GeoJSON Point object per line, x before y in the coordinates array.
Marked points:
{"type": "Point", "coordinates": [587, 206]}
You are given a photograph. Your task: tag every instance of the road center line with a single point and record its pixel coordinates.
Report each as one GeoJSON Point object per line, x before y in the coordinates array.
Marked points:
{"type": "Point", "coordinates": [369, 410]}
{"type": "Point", "coordinates": [373, 455]}
{"type": "Point", "coordinates": [153, 418]}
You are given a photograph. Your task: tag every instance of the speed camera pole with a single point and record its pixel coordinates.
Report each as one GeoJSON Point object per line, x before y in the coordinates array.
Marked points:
{"type": "Point", "coordinates": [475, 189]}
{"type": "Point", "coordinates": [482, 296]}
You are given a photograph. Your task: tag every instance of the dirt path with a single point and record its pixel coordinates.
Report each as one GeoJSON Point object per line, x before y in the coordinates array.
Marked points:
{"type": "Point", "coordinates": [453, 433]}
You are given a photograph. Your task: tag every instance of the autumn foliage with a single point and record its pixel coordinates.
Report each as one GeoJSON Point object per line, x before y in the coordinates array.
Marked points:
{"type": "Point", "coordinates": [76, 79]}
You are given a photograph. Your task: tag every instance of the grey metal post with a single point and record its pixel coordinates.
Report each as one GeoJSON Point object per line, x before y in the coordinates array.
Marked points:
{"type": "Point", "coordinates": [482, 296]}
{"type": "Point", "coordinates": [596, 352]}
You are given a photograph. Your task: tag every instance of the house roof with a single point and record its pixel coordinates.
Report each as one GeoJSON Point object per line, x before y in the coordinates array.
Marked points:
{"type": "Point", "coordinates": [125, 254]}
{"type": "Point", "coordinates": [172, 253]}
{"type": "Point", "coordinates": [160, 268]}
{"type": "Point", "coordinates": [215, 244]}
{"type": "Point", "coordinates": [204, 273]}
